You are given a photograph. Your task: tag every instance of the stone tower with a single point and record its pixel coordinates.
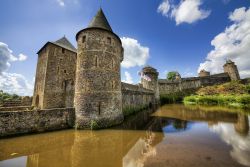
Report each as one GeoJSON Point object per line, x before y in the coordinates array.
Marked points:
{"type": "Point", "coordinates": [232, 70]}
{"type": "Point", "coordinates": [151, 83]}
{"type": "Point", "coordinates": [98, 98]}
{"type": "Point", "coordinates": [204, 73]}
{"type": "Point", "coordinates": [55, 75]}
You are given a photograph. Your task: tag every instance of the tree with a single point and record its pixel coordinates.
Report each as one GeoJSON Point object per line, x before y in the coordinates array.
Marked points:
{"type": "Point", "coordinates": [171, 75]}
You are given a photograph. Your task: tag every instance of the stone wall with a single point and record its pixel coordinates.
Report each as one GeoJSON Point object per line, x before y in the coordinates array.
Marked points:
{"type": "Point", "coordinates": [21, 122]}
{"type": "Point", "coordinates": [136, 97]}
{"type": "Point", "coordinates": [55, 78]}
{"type": "Point", "coordinates": [193, 83]}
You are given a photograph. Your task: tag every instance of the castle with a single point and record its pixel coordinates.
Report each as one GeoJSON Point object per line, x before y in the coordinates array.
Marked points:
{"type": "Point", "coordinates": [88, 78]}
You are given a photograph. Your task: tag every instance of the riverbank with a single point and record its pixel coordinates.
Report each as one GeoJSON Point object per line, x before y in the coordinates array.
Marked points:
{"type": "Point", "coordinates": [239, 101]}
{"type": "Point", "coordinates": [232, 94]}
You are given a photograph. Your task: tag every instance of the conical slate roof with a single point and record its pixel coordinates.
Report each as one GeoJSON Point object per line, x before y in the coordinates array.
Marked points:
{"type": "Point", "coordinates": [100, 21]}
{"type": "Point", "coordinates": [64, 42]}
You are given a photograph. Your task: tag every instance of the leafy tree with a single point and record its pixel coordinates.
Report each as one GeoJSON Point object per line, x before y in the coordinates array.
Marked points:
{"type": "Point", "coordinates": [171, 75]}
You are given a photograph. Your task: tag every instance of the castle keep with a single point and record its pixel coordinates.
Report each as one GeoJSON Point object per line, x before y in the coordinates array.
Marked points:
{"type": "Point", "coordinates": [87, 79]}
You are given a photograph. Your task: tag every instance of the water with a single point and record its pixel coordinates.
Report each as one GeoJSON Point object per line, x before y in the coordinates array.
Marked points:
{"type": "Point", "coordinates": [173, 136]}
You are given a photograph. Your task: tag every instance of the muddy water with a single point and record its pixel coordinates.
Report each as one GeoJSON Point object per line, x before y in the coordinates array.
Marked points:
{"type": "Point", "coordinates": [173, 136]}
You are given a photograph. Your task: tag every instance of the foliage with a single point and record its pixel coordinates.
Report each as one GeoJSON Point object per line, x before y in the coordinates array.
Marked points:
{"type": "Point", "coordinates": [230, 88]}
{"type": "Point", "coordinates": [176, 97]}
{"type": "Point", "coordinates": [6, 96]}
{"type": "Point", "coordinates": [171, 75]}
{"type": "Point", "coordinates": [242, 101]}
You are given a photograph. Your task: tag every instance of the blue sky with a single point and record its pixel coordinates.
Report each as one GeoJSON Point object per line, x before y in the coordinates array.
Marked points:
{"type": "Point", "coordinates": [166, 34]}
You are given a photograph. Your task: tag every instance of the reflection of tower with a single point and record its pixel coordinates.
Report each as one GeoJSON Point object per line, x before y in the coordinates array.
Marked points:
{"type": "Point", "coordinates": [151, 84]}
{"type": "Point", "coordinates": [232, 70]}
{"type": "Point", "coordinates": [98, 99]}
{"type": "Point", "coordinates": [204, 73]}
{"type": "Point", "coordinates": [242, 125]}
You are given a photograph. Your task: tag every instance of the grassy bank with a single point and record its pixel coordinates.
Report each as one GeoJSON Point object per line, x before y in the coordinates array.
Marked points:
{"type": "Point", "coordinates": [231, 94]}
{"type": "Point", "coordinates": [241, 101]}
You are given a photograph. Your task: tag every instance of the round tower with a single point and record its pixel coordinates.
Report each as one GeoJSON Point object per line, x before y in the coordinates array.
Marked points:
{"type": "Point", "coordinates": [204, 73]}
{"type": "Point", "coordinates": [98, 99]}
{"type": "Point", "coordinates": [149, 80]}
{"type": "Point", "coordinates": [232, 70]}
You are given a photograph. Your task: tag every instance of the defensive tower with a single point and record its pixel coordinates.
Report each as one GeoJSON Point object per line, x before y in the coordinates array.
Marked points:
{"type": "Point", "coordinates": [149, 80]}
{"type": "Point", "coordinates": [55, 75]}
{"type": "Point", "coordinates": [204, 73]}
{"type": "Point", "coordinates": [232, 70]}
{"type": "Point", "coordinates": [98, 98]}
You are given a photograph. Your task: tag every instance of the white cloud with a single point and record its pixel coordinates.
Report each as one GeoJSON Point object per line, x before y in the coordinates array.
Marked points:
{"type": "Point", "coordinates": [15, 83]}
{"type": "Point", "coordinates": [128, 78]}
{"type": "Point", "coordinates": [12, 82]}
{"type": "Point", "coordinates": [6, 57]}
{"type": "Point", "coordinates": [134, 53]}
{"type": "Point", "coordinates": [22, 57]}
{"type": "Point", "coordinates": [240, 144]}
{"type": "Point", "coordinates": [233, 43]}
{"type": "Point", "coordinates": [61, 2]}
{"type": "Point", "coordinates": [187, 11]}
{"type": "Point", "coordinates": [164, 8]}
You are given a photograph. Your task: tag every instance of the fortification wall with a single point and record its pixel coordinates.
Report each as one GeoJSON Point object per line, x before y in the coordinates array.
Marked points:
{"type": "Point", "coordinates": [136, 97]}
{"type": "Point", "coordinates": [169, 87]}
{"type": "Point", "coordinates": [21, 122]}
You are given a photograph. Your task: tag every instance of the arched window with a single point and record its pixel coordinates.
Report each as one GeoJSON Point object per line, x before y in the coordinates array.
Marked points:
{"type": "Point", "coordinates": [84, 39]}
{"type": "Point", "coordinates": [37, 100]}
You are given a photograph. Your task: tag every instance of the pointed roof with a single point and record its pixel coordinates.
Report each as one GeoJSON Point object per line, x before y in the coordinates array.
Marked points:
{"type": "Point", "coordinates": [64, 42]}
{"type": "Point", "coordinates": [100, 21]}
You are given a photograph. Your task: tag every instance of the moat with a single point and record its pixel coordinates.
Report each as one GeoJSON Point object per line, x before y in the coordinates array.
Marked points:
{"type": "Point", "coordinates": [174, 135]}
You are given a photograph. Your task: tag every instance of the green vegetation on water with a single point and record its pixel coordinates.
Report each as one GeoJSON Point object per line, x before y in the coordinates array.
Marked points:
{"type": "Point", "coordinates": [231, 94]}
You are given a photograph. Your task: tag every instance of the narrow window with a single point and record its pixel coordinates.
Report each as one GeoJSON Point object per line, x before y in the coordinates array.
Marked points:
{"type": "Point", "coordinates": [113, 84]}
{"type": "Point", "coordinates": [63, 50]}
{"type": "Point", "coordinates": [113, 64]}
{"type": "Point", "coordinates": [96, 61]}
{"type": "Point", "coordinates": [99, 108]}
{"type": "Point", "coordinates": [109, 40]}
{"type": "Point", "coordinates": [57, 69]}
{"type": "Point", "coordinates": [65, 71]}
{"type": "Point", "coordinates": [83, 39]}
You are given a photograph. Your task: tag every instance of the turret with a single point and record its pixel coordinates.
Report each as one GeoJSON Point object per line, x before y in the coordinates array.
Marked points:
{"type": "Point", "coordinates": [232, 70]}
{"type": "Point", "coordinates": [204, 73]}
{"type": "Point", "coordinates": [149, 80]}
{"type": "Point", "coordinates": [98, 98]}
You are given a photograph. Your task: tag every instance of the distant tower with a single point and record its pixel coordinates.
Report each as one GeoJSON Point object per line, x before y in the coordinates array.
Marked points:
{"type": "Point", "coordinates": [204, 73]}
{"type": "Point", "coordinates": [232, 70]}
{"type": "Point", "coordinates": [151, 84]}
{"type": "Point", "coordinates": [178, 77]}
{"type": "Point", "coordinates": [98, 98]}
{"type": "Point", "coordinates": [55, 75]}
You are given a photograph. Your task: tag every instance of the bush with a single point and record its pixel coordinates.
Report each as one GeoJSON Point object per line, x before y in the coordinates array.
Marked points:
{"type": "Point", "coordinates": [230, 88]}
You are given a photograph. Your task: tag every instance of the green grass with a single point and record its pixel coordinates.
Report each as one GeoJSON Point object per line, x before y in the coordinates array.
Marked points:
{"type": "Point", "coordinates": [239, 101]}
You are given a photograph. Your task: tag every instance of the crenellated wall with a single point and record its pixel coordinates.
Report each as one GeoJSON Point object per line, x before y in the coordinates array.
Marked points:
{"type": "Point", "coordinates": [169, 87]}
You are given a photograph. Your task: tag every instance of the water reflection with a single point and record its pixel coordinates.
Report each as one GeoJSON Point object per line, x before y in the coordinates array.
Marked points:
{"type": "Point", "coordinates": [175, 135]}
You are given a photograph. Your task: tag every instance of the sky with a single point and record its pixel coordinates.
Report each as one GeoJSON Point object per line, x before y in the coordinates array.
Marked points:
{"type": "Point", "coordinates": [169, 35]}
